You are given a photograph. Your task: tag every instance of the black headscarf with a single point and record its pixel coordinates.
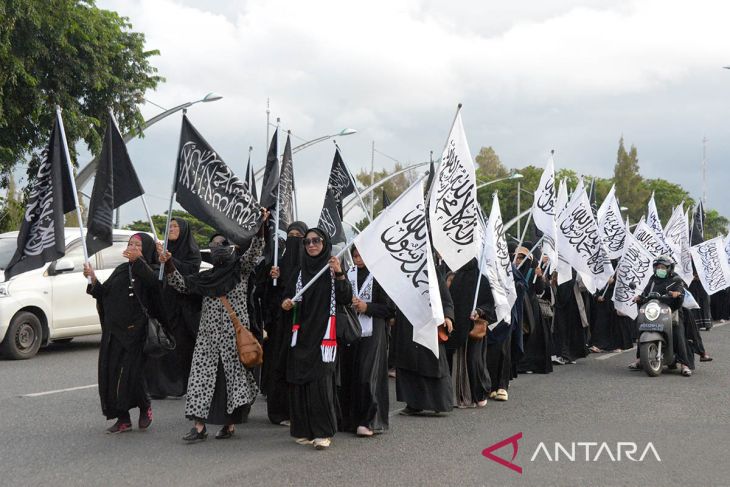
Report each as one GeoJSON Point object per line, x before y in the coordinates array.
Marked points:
{"type": "Point", "coordinates": [149, 254]}
{"type": "Point", "coordinates": [222, 278]}
{"type": "Point", "coordinates": [184, 250]}
{"type": "Point", "coordinates": [312, 265]}
{"type": "Point", "coordinates": [293, 251]}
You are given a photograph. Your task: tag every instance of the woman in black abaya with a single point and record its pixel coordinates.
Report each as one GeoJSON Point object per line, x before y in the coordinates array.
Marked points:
{"type": "Point", "coordinates": [313, 347]}
{"type": "Point", "coordinates": [168, 375]}
{"type": "Point", "coordinates": [278, 326]}
{"type": "Point", "coordinates": [363, 390]}
{"type": "Point", "coordinates": [537, 339]}
{"type": "Point", "coordinates": [120, 300]}
{"type": "Point", "coordinates": [469, 359]}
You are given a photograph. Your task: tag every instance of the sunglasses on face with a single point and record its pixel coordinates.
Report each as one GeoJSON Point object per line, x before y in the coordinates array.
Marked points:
{"type": "Point", "coordinates": [312, 241]}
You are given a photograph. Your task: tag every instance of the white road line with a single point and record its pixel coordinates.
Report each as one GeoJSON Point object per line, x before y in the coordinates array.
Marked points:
{"type": "Point", "coordinates": [606, 356]}
{"type": "Point", "coordinates": [37, 394]}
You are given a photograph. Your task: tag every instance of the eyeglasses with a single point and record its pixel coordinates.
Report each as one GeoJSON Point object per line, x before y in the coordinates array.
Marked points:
{"type": "Point", "coordinates": [312, 241]}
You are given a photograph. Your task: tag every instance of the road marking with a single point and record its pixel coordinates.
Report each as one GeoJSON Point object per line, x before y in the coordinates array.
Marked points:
{"type": "Point", "coordinates": [37, 394]}
{"type": "Point", "coordinates": [613, 354]}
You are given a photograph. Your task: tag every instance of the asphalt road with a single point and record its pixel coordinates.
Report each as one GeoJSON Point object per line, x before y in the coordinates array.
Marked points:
{"type": "Point", "coordinates": [58, 438]}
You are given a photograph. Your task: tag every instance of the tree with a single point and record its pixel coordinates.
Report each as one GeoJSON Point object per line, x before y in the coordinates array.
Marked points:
{"type": "Point", "coordinates": [13, 210]}
{"type": "Point", "coordinates": [668, 195]}
{"type": "Point", "coordinates": [70, 53]}
{"type": "Point", "coordinates": [489, 165]}
{"type": "Point", "coordinates": [715, 224]}
{"type": "Point", "coordinates": [631, 190]}
{"type": "Point", "coordinates": [201, 231]}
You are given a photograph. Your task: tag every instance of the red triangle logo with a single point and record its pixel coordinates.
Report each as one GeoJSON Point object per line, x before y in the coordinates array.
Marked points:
{"type": "Point", "coordinates": [512, 440]}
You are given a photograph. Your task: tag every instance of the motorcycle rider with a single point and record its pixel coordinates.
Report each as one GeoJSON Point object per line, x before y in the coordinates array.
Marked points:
{"type": "Point", "coordinates": [671, 288]}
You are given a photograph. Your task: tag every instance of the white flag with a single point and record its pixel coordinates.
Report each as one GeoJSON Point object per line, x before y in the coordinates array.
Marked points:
{"type": "Point", "coordinates": [396, 249]}
{"type": "Point", "coordinates": [452, 209]}
{"type": "Point", "coordinates": [711, 262]}
{"type": "Point", "coordinates": [727, 247]}
{"type": "Point", "coordinates": [565, 272]}
{"type": "Point", "coordinates": [676, 235]}
{"type": "Point", "coordinates": [652, 216]}
{"type": "Point", "coordinates": [580, 244]}
{"type": "Point", "coordinates": [611, 226]}
{"type": "Point", "coordinates": [650, 240]}
{"type": "Point", "coordinates": [489, 267]}
{"type": "Point", "coordinates": [635, 267]}
{"type": "Point", "coordinates": [495, 234]}
{"type": "Point", "coordinates": [543, 210]}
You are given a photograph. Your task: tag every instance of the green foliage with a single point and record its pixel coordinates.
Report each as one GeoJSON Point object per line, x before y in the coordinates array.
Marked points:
{"type": "Point", "coordinates": [631, 190]}
{"type": "Point", "coordinates": [716, 225]}
{"type": "Point", "coordinates": [201, 231]}
{"type": "Point", "coordinates": [489, 164]}
{"type": "Point", "coordinates": [70, 53]}
{"type": "Point", "coordinates": [12, 210]}
{"type": "Point", "coordinates": [393, 188]}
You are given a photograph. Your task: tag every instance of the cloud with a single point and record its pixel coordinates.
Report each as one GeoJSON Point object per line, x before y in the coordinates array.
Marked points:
{"type": "Point", "coordinates": [569, 75]}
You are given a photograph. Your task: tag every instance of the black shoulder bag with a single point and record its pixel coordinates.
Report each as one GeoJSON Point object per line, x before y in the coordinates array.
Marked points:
{"type": "Point", "coordinates": [158, 341]}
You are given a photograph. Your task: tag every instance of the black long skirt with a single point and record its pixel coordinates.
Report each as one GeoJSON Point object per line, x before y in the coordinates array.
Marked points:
{"type": "Point", "coordinates": [363, 390]}
{"type": "Point", "coordinates": [274, 368]}
{"type": "Point", "coordinates": [121, 377]}
{"type": "Point", "coordinates": [312, 408]}
{"type": "Point", "coordinates": [499, 363]}
{"type": "Point", "coordinates": [538, 345]}
{"type": "Point", "coordinates": [424, 393]}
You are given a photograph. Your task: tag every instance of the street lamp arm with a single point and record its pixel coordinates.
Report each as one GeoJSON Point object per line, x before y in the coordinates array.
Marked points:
{"type": "Point", "coordinates": [89, 170]}
{"type": "Point", "coordinates": [354, 200]}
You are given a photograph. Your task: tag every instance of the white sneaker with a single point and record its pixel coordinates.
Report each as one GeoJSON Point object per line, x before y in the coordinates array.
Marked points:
{"type": "Point", "coordinates": [364, 431]}
{"type": "Point", "coordinates": [303, 441]}
{"type": "Point", "coordinates": [321, 443]}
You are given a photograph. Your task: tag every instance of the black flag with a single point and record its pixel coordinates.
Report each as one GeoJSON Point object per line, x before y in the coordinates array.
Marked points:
{"type": "Point", "coordinates": [697, 235]}
{"type": "Point", "coordinates": [208, 189]}
{"type": "Point", "coordinates": [271, 175]}
{"type": "Point", "coordinates": [340, 183]}
{"type": "Point", "coordinates": [41, 238]}
{"type": "Point", "coordinates": [386, 200]}
{"type": "Point", "coordinates": [330, 221]}
{"type": "Point", "coordinates": [250, 179]}
{"type": "Point", "coordinates": [116, 183]}
{"type": "Point", "coordinates": [286, 188]}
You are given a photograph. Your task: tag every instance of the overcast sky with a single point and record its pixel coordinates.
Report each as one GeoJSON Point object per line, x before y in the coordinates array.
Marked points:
{"type": "Point", "coordinates": [535, 75]}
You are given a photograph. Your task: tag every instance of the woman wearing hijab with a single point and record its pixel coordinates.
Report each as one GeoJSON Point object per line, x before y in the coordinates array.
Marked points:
{"type": "Point", "coordinates": [313, 346]}
{"type": "Point", "coordinates": [123, 301]}
{"type": "Point", "coordinates": [278, 327]}
{"type": "Point", "coordinates": [537, 339]}
{"type": "Point", "coordinates": [168, 375]}
{"type": "Point", "coordinates": [363, 392]}
{"type": "Point", "coordinates": [469, 359]}
{"type": "Point", "coordinates": [220, 388]}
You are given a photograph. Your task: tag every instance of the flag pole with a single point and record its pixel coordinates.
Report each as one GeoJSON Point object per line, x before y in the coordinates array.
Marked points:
{"type": "Point", "coordinates": [149, 217]}
{"type": "Point", "coordinates": [172, 198]}
{"type": "Point", "coordinates": [278, 193]}
{"type": "Point", "coordinates": [354, 185]}
{"type": "Point", "coordinates": [73, 185]}
{"type": "Point", "coordinates": [481, 262]}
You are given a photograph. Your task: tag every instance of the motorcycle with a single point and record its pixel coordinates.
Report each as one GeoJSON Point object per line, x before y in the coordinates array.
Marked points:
{"type": "Point", "coordinates": [656, 346]}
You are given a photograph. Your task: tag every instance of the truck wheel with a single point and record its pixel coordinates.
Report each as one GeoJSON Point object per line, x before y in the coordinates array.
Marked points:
{"type": "Point", "coordinates": [23, 338]}
{"type": "Point", "coordinates": [649, 357]}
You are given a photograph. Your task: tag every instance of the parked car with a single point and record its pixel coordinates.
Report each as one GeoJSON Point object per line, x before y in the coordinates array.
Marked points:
{"type": "Point", "coordinates": [50, 304]}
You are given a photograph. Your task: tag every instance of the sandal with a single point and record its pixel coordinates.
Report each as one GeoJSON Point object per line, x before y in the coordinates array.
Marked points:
{"type": "Point", "coordinates": [225, 432]}
{"type": "Point", "coordinates": [686, 371]}
{"type": "Point", "coordinates": [634, 366]}
{"type": "Point", "coordinates": [705, 358]}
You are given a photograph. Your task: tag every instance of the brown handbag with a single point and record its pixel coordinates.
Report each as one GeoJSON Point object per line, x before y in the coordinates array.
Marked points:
{"type": "Point", "coordinates": [479, 330]}
{"type": "Point", "coordinates": [249, 349]}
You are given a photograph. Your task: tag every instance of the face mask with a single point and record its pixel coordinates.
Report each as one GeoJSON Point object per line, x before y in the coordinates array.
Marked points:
{"type": "Point", "coordinates": [220, 255]}
{"type": "Point", "coordinates": [661, 273]}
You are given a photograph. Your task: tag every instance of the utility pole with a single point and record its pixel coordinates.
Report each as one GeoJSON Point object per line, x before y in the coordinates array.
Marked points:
{"type": "Point", "coordinates": [268, 112]}
{"type": "Point", "coordinates": [704, 171]}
